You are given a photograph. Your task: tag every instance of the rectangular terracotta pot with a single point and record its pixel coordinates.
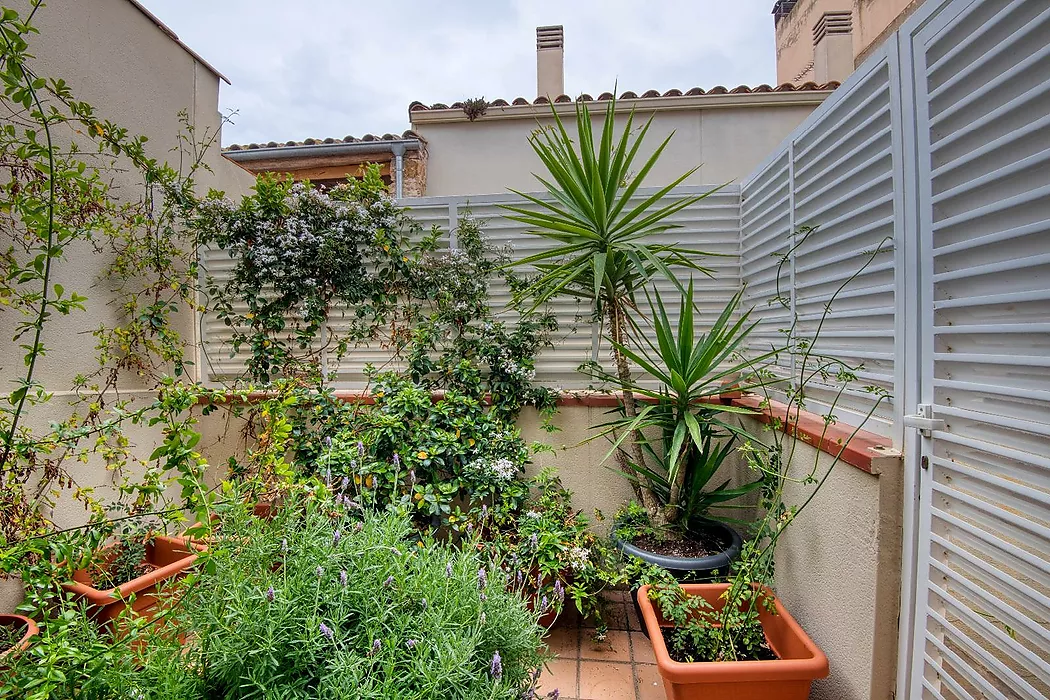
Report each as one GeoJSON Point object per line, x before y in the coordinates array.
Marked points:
{"type": "Point", "coordinates": [787, 677]}
{"type": "Point", "coordinates": [168, 558]}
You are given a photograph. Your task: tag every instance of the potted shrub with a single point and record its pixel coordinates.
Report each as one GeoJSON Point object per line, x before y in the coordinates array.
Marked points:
{"type": "Point", "coordinates": [685, 438]}
{"type": "Point", "coordinates": [16, 633]}
{"type": "Point", "coordinates": [707, 648]}
{"type": "Point", "coordinates": [132, 571]}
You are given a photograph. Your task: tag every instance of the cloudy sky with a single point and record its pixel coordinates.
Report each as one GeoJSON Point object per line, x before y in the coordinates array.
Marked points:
{"type": "Point", "coordinates": [319, 68]}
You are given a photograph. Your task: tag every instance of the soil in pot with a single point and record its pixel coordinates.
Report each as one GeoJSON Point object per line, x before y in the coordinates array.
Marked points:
{"type": "Point", "coordinates": [15, 633]}
{"type": "Point", "coordinates": [681, 648]}
{"type": "Point", "coordinates": [707, 542]}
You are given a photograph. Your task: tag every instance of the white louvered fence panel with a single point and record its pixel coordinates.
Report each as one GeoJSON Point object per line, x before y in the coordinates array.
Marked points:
{"type": "Point", "coordinates": [982, 77]}
{"type": "Point", "coordinates": [710, 225]}
{"type": "Point", "coordinates": [836, 174]}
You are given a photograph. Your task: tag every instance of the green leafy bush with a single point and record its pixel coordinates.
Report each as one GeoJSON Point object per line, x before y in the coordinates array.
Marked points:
{"type": "Point", "coordinates": [329, 601]}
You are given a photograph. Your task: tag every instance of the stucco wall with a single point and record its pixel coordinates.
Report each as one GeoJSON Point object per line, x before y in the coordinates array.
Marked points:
{"type": "Point", "coordinates": [118, 60]}
{"type": "Point", "coordinates": [871, 21]}
{"type": "Point", "coordinates": [490, 155]}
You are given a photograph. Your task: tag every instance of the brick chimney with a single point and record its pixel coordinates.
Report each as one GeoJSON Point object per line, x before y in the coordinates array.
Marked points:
{"type": "Point", "coordinates": [550, 61]}
{"type": "Point", "coordinates": [833, 47]}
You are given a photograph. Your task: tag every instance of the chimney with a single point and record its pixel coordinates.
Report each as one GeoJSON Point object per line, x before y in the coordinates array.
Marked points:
{"type": "Point", "coordinates": [833, 47]}
{"type": "Point", "coordinates": [550, 61]}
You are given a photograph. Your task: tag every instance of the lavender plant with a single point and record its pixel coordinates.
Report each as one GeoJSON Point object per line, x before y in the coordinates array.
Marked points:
{"type": "Point", "coordinates": [327, 600]}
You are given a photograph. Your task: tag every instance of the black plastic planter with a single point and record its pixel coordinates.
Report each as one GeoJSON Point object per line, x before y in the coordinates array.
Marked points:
{"type": "Point", "coordinates": [709, 569]}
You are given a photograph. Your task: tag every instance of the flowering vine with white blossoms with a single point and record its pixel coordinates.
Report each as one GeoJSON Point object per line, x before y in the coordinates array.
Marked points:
{"type": "Point", "coordinates": [301, 256]}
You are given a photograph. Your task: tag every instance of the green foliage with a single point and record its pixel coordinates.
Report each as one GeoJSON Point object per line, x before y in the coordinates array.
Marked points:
{"type": "Point", "coordinates": [683, 430]}
{"type": "Point", "coordinates": [548, 550]}
{"type": "Point", "coordinates": [456, 344]}
{"type": "Point", "coordinates": [602, 248]}
{"type": "Point", "coordinates": [319, 602]}
{"type": "Point", "coordinates": [704, 633]}
{"type": "Point", "coordinates": [424, 452]}
{"type": "Point", "coordinates": [298, 253]}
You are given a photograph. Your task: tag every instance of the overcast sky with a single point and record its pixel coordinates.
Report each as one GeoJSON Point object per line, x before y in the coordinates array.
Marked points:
{"type": "Point", "coordinates": [320, 68]}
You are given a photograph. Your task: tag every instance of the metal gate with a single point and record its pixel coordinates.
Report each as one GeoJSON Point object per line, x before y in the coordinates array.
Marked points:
{"type": "Point", "coordinates": [977, 78]}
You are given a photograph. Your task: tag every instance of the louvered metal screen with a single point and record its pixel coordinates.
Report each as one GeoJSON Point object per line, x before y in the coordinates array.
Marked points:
{"type": "Point", "coordinates": [711, 225]}
{"type": "Point", "coordinates": [836, 175]}
{"type": "Point", "coordinates": [981, 73]}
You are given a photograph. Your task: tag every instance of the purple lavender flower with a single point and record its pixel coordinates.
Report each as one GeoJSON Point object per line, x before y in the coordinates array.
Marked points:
{"type": "Point", "coordinates": [496, 668]}
{"type": "Point", "coordinates": [544, 604]}
{"type": "Point", "coordinates": [327, 632]}
{"type": "Point", "coordinates": [483, 578]}
{"type": "Point", "coordinates": [485, 510]}
{"type": "Point", "coordinates": [482, 597]}
{"type": "Point", "coordinates": [358, 527]}
{"type": "Point", "coordinates": [376, 645]}
{"type": "Point", "coordinates": [360, 449]}
{"type": "Point", "coordinates": [554, 694]}
{"type": "Point", "coordinates": [397, 460]}
{"type": "Point", "coordinates": [320, 571]}
{"type": "Point", "coordinates": [344, 483]}
{"type": "Point", "coordinates": [389, 582]}
{"type": "Point", "coordinates": [284, 546]}
{"type": "Point", "coordinates": [336, 536]}
{"type": "Point", "coordinates": [339, 499]}
{"type": "Point", "coordinates": [328, 476]}
{"type": "Point", "coordinates": [481, 619]}
{"type": "Point", "coordinates": [411, 477]}
{"type": "Point", "coordinates": [411, 643]}
{"type": "Point", "coordinates": [328, 441]}
{"type": "Point", "coordinates": [353, 464]}
{"type": "Point", "coordinates": [423, 604]}
{"type": "Point", "coordinates": [559, 591]}
{"type": "Point", "coordinates": [448, 570]}
{"type": "Point", "coordinates": [342, 578]}
{"type": "Point", "coordinates": [271, 594]}
{"type": "Point", "coordinates": [521, 578]}
{"type": "Point", "coordinates": [470, 528]}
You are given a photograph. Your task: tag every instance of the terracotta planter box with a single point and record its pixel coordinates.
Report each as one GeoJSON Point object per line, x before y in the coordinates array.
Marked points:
{"type": "Point", "coordinates": [168, 559]}
{"type": "Point", "coordinates": [27, 625]}
{"type": "Point", "coordinates": [788, 677]}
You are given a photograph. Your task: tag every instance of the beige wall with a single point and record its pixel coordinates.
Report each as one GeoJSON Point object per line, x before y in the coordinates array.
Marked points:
{"type": "Point", "coordinates": [726, 135]}
{"type": "Point", "coordinates": [119, 61]}
{"type": "Point", "coordinates": [837, 568]}
{"type": "Point", "coordinates": [872, 20]}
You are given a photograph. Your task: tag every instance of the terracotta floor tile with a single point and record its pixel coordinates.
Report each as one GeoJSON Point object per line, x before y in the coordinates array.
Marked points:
{"type": "Point", "coordinates": [633, 621]}
{"type": "Point", "coordinates": [616, 616]}
{"type": "Point", "coordinates": [605, 681]}
{"type": "Point", "coordinates": [642, 649]}
{"type": "Point", "coordinates": [564, 642]}
{"type": "Point", "coordinates": [615, 647]}
{"type": "Point", "coordinates": [650, 685]}
{"type": "Point", "coordinates": [560, 674]}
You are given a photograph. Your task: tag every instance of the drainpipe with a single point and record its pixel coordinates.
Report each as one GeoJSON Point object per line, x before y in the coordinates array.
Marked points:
{"type": "Point", "coordinates": [398, 149]}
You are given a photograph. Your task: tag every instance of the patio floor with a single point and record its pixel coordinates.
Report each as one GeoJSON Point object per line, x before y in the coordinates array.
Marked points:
{"type": "Point", "coordinates": [620, 668]}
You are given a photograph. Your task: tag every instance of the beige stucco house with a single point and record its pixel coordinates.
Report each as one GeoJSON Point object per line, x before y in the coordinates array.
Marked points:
{"type": "Point", "coordinates": [472, 148]}
{"type": "Point", "coordinates": [118, 57]}
{"type": "Point", "coordinates": [822, 40]}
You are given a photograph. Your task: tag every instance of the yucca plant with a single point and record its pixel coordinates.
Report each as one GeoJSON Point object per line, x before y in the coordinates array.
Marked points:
{"type": "Point", "coordinates": [695, 437]}
{"type": "Point", "coordinates": [602, 247]}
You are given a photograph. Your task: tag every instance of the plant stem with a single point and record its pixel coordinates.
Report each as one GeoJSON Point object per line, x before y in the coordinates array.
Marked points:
{"type": "Point", "coordinates": [49, 256]}
{"type": "Point", "coordinates": [643, 487]}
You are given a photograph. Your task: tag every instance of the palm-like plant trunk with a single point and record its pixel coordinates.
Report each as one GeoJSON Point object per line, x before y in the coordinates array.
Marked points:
{"type": "Point", "coordinates": [643, 487]}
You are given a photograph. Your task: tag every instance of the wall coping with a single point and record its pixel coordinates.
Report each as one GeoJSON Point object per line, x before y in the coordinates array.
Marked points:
{"type": "Point", "coordinates": [862, 449]}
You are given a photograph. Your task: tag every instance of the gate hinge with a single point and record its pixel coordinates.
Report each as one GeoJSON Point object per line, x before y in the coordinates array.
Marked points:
{"type": "Point", "coordinates": [923, 421]}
